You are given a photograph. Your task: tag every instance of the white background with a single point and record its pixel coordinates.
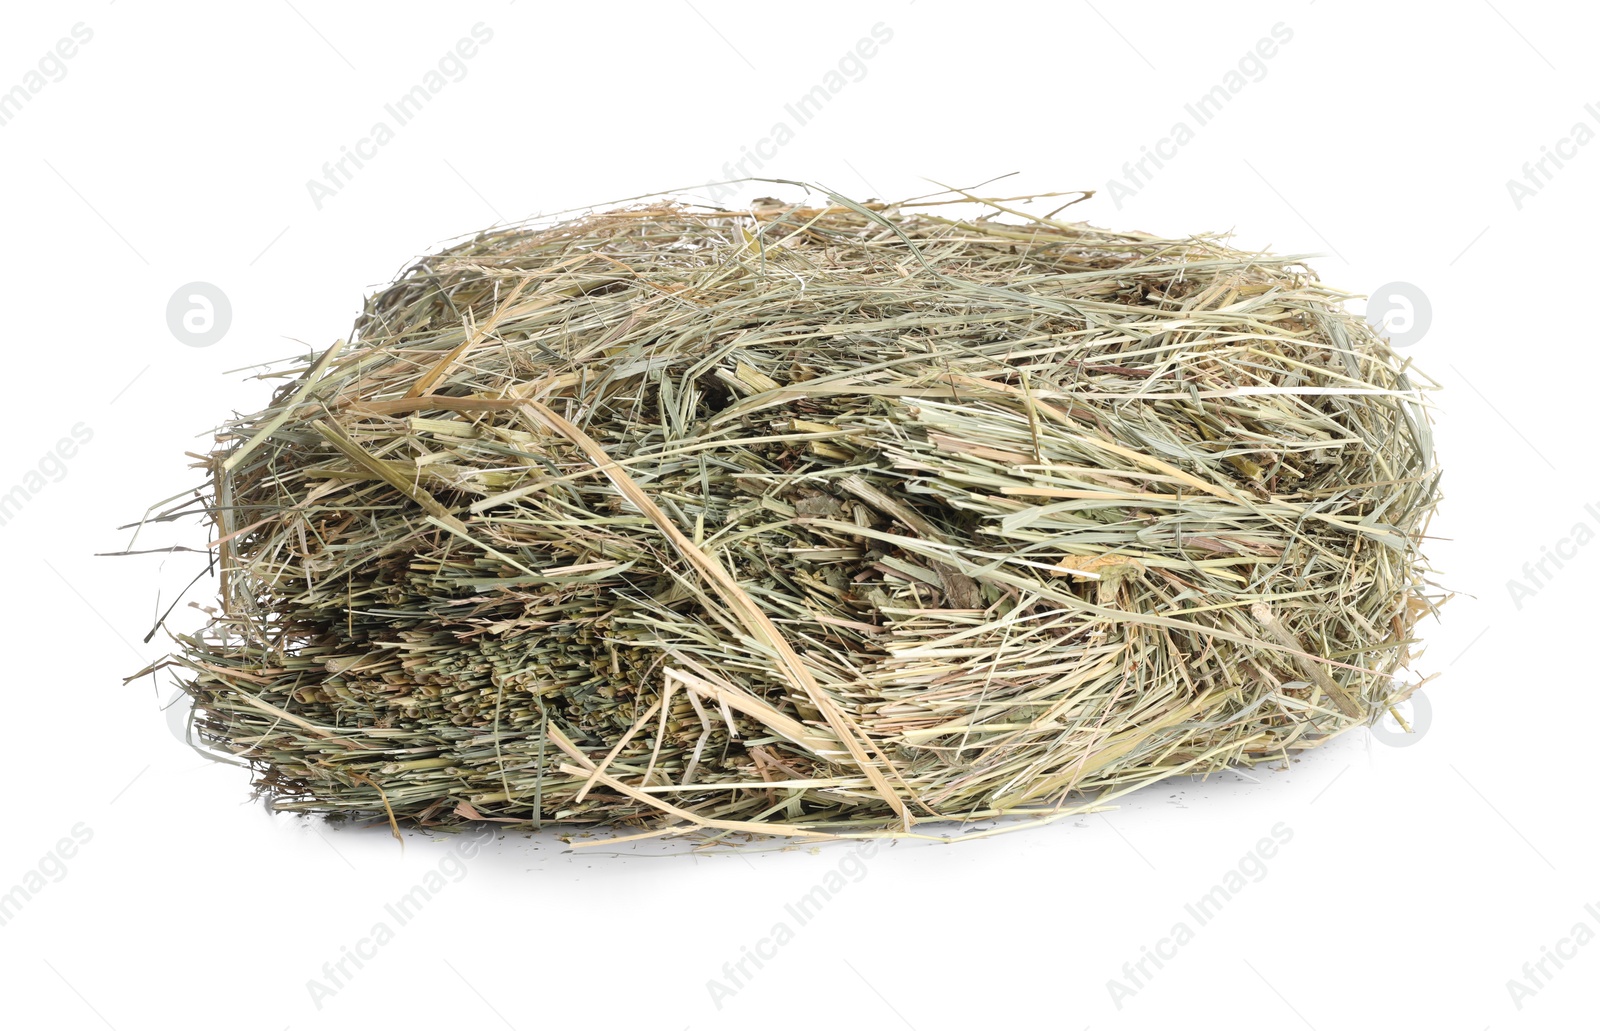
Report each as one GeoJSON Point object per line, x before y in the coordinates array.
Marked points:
{"type": "Point", "coordinates": [177, 148]}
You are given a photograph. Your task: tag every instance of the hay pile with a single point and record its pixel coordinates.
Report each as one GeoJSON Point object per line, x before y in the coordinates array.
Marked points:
{"type": "Point", "coordinates": [827, 519]}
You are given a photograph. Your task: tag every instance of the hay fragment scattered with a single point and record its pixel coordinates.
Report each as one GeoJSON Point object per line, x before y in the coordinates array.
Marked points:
{"type": "Point", "coordinates": [812, 519]}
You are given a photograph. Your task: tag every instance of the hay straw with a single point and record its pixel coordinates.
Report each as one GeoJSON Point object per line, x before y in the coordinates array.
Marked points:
{"type": "Point", "coordinates": [812, 519]}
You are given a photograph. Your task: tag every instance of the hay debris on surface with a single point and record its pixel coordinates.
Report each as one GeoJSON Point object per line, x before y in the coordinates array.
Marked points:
{"type": "Point", "coordinates": [834, 519]}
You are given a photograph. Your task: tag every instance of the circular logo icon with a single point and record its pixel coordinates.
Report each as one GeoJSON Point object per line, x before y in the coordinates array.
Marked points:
{"type": "Point", "coordinates": [1416, 711]}
{"type": "Point", "coordinates": [199, 314]}
{"type": "Point", "coordinates": [1400, 313]}
{"type": "Point", "coordinates": [180, 710]}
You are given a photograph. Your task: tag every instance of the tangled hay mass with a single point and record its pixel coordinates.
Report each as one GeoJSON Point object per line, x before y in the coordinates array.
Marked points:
{"type": "Point", "coordinates": [831, 519]}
